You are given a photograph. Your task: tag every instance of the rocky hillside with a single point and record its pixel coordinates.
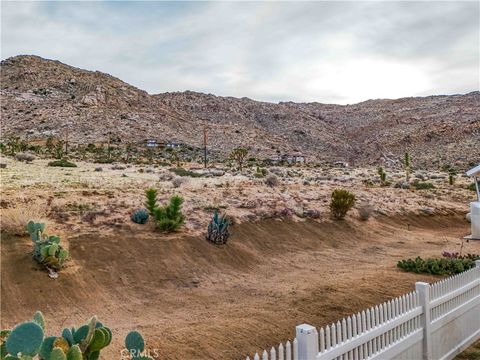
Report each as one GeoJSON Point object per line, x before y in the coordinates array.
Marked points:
{"type": "Point", "coordinates": [42, 97]}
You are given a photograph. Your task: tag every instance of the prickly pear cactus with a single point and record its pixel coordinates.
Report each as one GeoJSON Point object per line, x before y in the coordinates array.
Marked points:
{"type": "Point", "coordinates": [218, 229]}
{"type": "Point", "coordinates": [46, 249]}
{"type": "Point", "coordinates": [26, 342]}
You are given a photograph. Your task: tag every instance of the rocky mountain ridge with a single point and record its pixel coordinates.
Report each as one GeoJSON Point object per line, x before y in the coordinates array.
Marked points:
{"type": "Point", "coordinates": [42, 97]}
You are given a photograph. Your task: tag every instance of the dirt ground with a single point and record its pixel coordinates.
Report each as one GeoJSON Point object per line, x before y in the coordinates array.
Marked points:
{"type": "Point", "coordinates": [193, 300]}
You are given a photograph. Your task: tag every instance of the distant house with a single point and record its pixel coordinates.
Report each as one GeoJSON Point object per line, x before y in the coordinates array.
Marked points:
{"type": "Point", "coordinates": [151, 143]}
{"type": "Point", "coordinates": [295, 158]}
{"type": "Point", "coordinates": [173, 145]}
{"type": "Point", "coordinates": [343, 164]}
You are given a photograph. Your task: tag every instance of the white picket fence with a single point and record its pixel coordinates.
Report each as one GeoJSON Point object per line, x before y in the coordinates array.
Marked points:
{"type": "Point", "coordinates": [434, 322]}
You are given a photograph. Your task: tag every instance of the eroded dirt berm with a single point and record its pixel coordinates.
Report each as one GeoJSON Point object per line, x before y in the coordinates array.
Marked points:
{"type": "Point", "coordinates": [193, 300]}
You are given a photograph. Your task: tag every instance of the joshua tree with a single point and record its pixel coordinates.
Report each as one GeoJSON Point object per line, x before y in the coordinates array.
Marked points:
{"type": "Point", "coordinates": [407, 161]}
{"type": "Point", "coordinates": [239, 155]}
{"type": "Point", "coordinates": [451, 176]}
{"type": "Point", "coordinates": [383, 175]}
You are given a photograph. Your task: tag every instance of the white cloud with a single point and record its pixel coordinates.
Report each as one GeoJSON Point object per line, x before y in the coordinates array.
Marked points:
{"type": "Point", "coordinates": [274, 51]}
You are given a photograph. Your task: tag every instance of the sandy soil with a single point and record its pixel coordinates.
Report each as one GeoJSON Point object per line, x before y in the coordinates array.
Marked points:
{"type": "Point", "coordinates": [193, 300]}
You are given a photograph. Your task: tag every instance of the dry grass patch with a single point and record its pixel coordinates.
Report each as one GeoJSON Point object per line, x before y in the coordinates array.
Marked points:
{"type": "Point", "coordinates": [14, 221]}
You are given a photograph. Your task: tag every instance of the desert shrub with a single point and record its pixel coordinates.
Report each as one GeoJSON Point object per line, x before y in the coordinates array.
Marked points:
{"type": "Point", "coordinates": [239, 155]}
{"type": "Point", "coordinates": [364, 211]}
{"type": "Point", "coordinates": [218, 229]}
{"type": "Point", "coordinates": [182, 172]}
{"type": "Point", "coordinates": [177, 182]}
{"type": "Point", "coordinates": [418, 185]}
{"type": "Point", "coordinates": [62, 163]}
{"type": "Point", "coordinates": [27, 340]}
{"type": "Point", "coordinates": [457, 255]}
{"type": "Point", "coordinates": [46, 249]}
{"type": "Point", "coordinates": [472, 187]}
{"type": "Point", "coordinates": [24, 157]}
{"type": "Point", "coordinates": [168, 218]}
{"type": "Point", "coordinates": [272, 180]}
{"type": "Point", "coordinates": [342, 201]}
{"type": "Point", "coordinates": [260, 172]}
{"type": "Point", "coordinates": [98, 168]}
{"type": "Point", "coordinates": [3, 166]}
{"type": "Point", "coordinates": [14, 219]}
{"type": "Point", "coordinates": [103, 160]}
{"type": "Point", "coordinates": [444, 266]}
{"type": "Point", "coordinates": [140, 216]}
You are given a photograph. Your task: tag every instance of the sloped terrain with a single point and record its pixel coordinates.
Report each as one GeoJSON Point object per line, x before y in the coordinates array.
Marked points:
{"type": "Point", "coordinates": [193, 300]}
{"type": "Point", "coordinates": [43, 97]}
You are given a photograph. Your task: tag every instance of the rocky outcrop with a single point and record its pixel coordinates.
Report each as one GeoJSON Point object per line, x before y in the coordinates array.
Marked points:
{"type": "Point", "coordinates": [42, 96]}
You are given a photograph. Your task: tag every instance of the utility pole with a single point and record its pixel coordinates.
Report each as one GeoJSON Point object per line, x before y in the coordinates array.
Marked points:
{"type": "Point", "coordinates": [205, 143]}
{"type": "Point", "coordinates": [66, 139]}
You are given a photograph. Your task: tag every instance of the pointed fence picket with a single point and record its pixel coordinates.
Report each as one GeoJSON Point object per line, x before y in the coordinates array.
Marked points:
{"type": "Point", "coordinates": [289, 351]}
{"type": "Point", "coordinates": [435, 321]}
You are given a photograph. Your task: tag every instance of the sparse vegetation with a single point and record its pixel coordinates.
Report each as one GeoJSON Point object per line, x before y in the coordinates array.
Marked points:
{"type": "Point", "coordinates": [218, 229]}
{"type": "Point", "coordinates": [183, 172]}
{"type": "Point", "coordinates": [14, 219]}
{"type": "Point", "coordinates": [418, 185]}
{"type": "Point", "coordinates": [62, 163]}
{"type": "Point", "coordinates": [272, 180]}
{"type": "Point", "coordinates": [452, 173]}
{"type": "Point", "coordinates": [342, 201]}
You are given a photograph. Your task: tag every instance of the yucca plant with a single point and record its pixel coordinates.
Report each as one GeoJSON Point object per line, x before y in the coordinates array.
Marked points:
{"type": "Point", "coordinates": [218, 229]}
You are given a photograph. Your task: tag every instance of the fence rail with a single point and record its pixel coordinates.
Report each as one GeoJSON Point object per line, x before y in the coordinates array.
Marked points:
{"type": "Point", "coordinates": [434, 322]}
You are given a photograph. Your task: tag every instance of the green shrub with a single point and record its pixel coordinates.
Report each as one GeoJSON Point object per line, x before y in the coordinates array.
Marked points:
{"type": "Point", "coordinates": [342, 201]}
{"type": "Point", "coordinates": [62, 163]}
{"type": "Point", "coordinates": [444, 266]}
{"type": "Point", "coordinates": [27, 341]}
{"type": "Point", "coordinates": [472, 187]}
{"type": "Point", "coordinates": [418, 185]}
{"type": "Point", "coordinates": [168, 218]}
{"type": "Point", "coordinates": [182, 172]}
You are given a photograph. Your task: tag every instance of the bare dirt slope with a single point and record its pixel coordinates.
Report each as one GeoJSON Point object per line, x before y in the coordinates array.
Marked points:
{"type": "Point", "coordinates": [193, 300]}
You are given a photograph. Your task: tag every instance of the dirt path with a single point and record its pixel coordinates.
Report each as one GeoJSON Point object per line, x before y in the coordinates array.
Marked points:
{"type": "Point", "coordinates": [193, 300]}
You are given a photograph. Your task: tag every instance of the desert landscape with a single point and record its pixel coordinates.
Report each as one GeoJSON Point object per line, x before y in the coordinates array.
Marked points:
{"type": "Point", "coordinates": [240, 180]}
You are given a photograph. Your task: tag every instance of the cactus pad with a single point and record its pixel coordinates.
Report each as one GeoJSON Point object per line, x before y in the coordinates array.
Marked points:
{"type": "Point", "coordinates": [134, 343]}
{"type": "Point", "coordinates": [57, 354]}
{"type": "Point", "coordinates": [67, 335]}
{"type": "Point", "coordinates": [39, 319]}
{"type": "Point", "coordinates": [61, 343]}
{"type": "Point", "coordinates": [25, 338]}
{"type": "Point", "coordinates": [74, 353]}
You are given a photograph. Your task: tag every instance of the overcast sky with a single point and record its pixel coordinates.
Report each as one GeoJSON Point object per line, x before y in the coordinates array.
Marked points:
{"type": "Point", "coordinates": [335, 52]}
